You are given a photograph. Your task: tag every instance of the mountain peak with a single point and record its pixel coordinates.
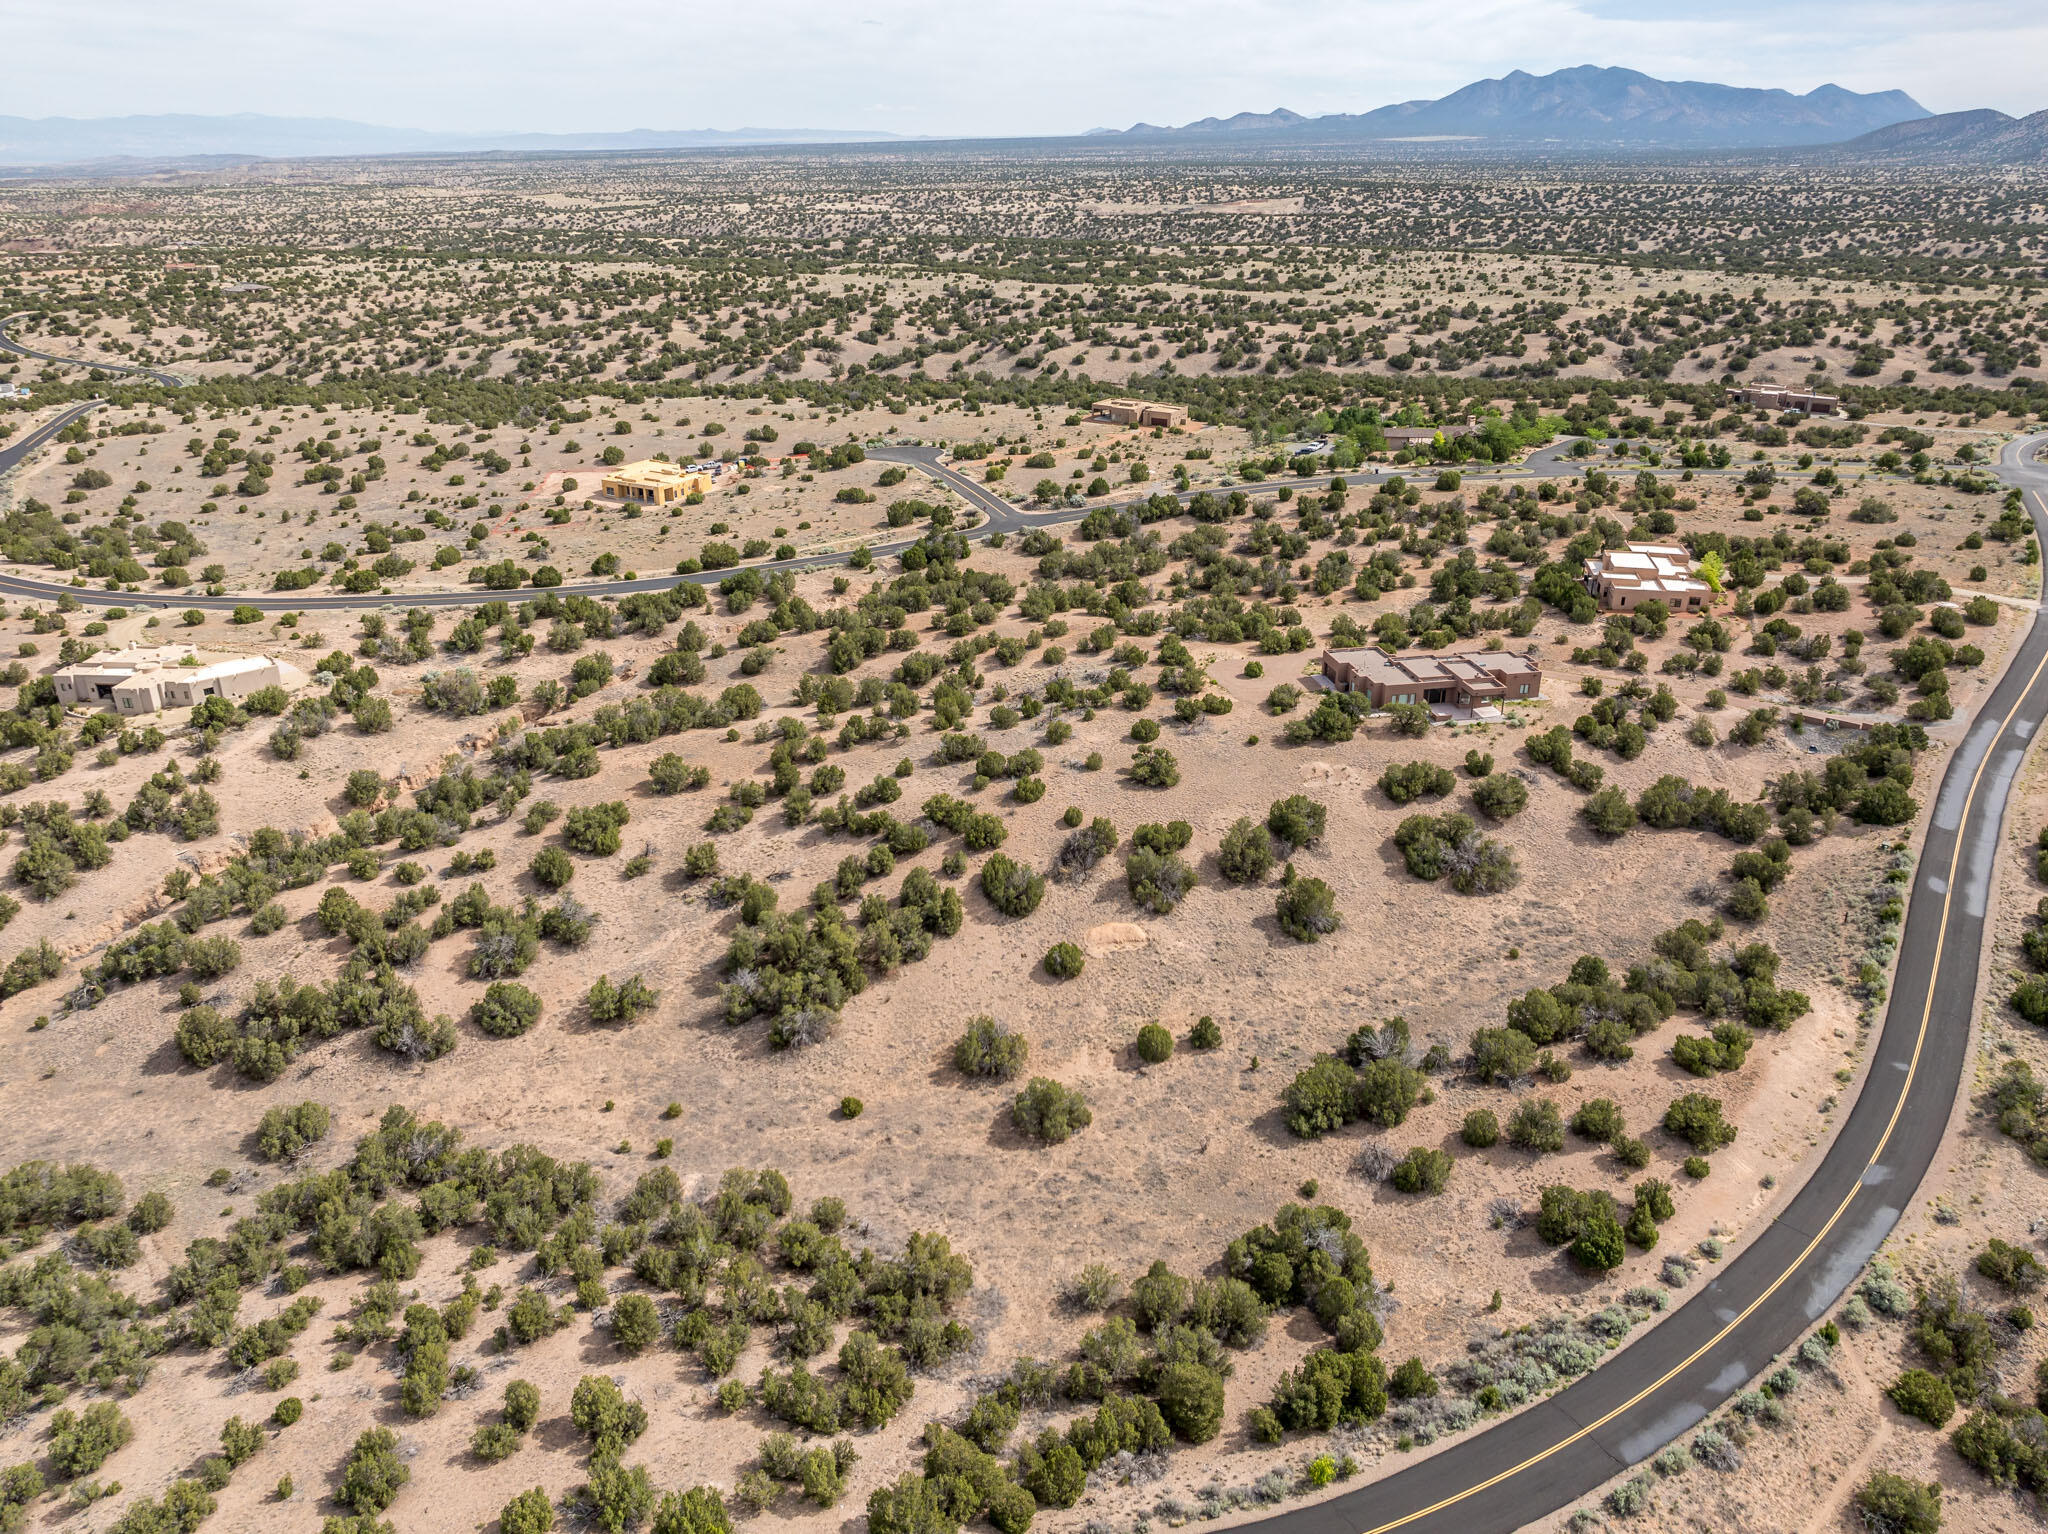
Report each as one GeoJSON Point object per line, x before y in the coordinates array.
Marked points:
{"type": "Point", "coordinates": [1596, 105]}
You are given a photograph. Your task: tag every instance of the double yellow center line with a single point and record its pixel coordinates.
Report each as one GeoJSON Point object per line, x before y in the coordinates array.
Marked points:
{"type": "Point", "coordinates": [1905, 1090]}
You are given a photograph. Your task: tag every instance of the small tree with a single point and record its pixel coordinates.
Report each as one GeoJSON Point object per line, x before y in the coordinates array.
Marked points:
{"type": "Point", "coordinates": [528, 1513]}
{"type": "Point", "coordinates": [1155, 1044]}
{"type": "Point", "coordinates": [1424, 1169]}
{"type": "Point", "coordinates": [373, 1474]}
{"type": "Point", "coordinates": [551, 868]}
{"type": "Point", "coordinates": [1297, 821]}
{"type": "Point", "coordinates": [1609, 812]}
{"type": "Point", "coordinates": [1500, 796]}
{"type": "Point", "coordinates": [505, 1010]}
{"type": "Point", "coordinates": [620, 1003]}
{"type": "Point", "coordinates": [1307, 910]}
{"type": "Point", "coordinates": [1011, 887]}
{"type": "Point", "coordinates": [1502, 1055]}
{"type": "Point", "coordinates": [989, 1049]}
{"type": "Point", "coordinates": [1047, 1111]}
{"type": "Point", "coordinates": [636, 1324]}
{"type": "Point", "coordinates": [1536, 1126]}
{"type": "Point", "coordinates": [1063, 961]}
{"type": "Point", "coordinates": [287, 1133]}
{"type": "Point", "coordinates": [1696, 1118]}
{"type": "Point", "coordinates": [1321, 1098]}
{"type": "Point", "coordinates": [1893, 1504]}
{"type": "Point", "coordinates": [1927, 1396]}
{"type": "Point", "coordinates": [1246, 855]}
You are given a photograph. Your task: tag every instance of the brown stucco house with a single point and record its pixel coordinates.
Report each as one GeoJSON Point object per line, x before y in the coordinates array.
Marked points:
{"type": "Point", "coordinates": [1139, 412]}
{"type": "Point", "coordinates": [1447, 680]}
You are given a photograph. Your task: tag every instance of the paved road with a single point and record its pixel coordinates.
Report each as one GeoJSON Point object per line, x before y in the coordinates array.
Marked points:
{"type": "Point", "coordinates": [1762, 1302]}
{"type": "Point", "coordinates": [9, 344]}
{"type": "Point", "coordinates": [16, 452]}
{"type": "Point", "coordinates": [1767, 1299]}
{"type": "Point", "coordinates": [998, 515]}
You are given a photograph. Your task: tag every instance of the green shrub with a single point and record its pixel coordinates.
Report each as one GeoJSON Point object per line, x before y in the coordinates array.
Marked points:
{"type": "Point", "coordinates": [1307, 910]}
{"type": "Point", "coordinates": [2014, 1267]}
{"type": "Point", "coordinates": [1608, 812]}
{"type": "Point", "coordinates": [505, 1010]}
{"type": "Point", "coordinates": [1010, 887]}
{"type": "Point", "coordinates": [373, 1474]}
{"type": "Point", "coordinates": [1696, 1118]}
{"type": "Point", "coordinates": [1321, 1098]}
{"type": "Point", "coordinates": [1501, 796]}
{"type": "Point", "coordinates": [1599, 1119]}
{"type": "Point", "coordinates": [82, 1442]}
{"type": "Point", "coordinates": [991, 1050]}
{"type": "Point", "coordinates": [1893, 1504]}
{"type": "Point", "coordinates": [1063, 961]}
{"type": "Point", "coordinates": [1206, 1034]}
{"type": "Point", "coordinates": [552, 868]}
{"type": "Point", "coordinates": [1191, 1400]}
{"type": "Point", "coordinates": [528, 1513]}
{"type": "Point", "coordinates": [1502, 1055]}
{"type": "Point", "coordinates": [1536, 1125]}
{"type": "Point", "coordinates": [1927, 1396]}
{"type": "Point", "coordinates": [1155, 1044]}
{"type": "Point", "coordinates": [1246, 855]}
{"type": "Point", "coordinates": [1480, 1129]}
{"type": "Point", "coordinates": [1047, 1111]}
{"type": "Point", "coordinates": [1404, 782]}
{"type": "Point", "coordinates": [1297, 821]}
{"type": "Point", "coordinates": [1423, 1170]}
{"type": "Point", "coordinates": [286, 1133]}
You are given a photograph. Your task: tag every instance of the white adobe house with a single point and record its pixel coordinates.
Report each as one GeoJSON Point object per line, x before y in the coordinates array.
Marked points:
{"type": "Point", "coordinates": [143, 681]}
{"type": "Point", "coordinates": [1625, 578]}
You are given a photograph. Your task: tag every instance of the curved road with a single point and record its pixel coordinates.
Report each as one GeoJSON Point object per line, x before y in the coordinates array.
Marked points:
{"type": "Point", "coordinates": [15, 453]}
{"type": "Point", "coordinates": [10, 345]}
{"type": "Point", "coordinates": [1756, 1306]}
{"type": "Point", "coordinates": [1767, 1299]}
{"type": "Point", "coordinates": [998, 516]}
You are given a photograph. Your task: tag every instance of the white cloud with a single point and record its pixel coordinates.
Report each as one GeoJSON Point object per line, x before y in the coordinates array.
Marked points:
{"type": "Point", "coordinates": [937, 66]}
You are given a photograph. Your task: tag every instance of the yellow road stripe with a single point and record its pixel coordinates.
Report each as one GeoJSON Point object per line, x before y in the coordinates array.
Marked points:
{"type": "Point", "coordinates": [1912, 1068]}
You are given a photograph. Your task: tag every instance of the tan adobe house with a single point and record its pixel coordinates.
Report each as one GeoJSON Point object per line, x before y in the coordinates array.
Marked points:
{"type": "Point", "coordinates": [143, 681]}
{"type": "Point", "coordinates": [1399, 437]}
{"type": "Point", "coordinates": [1771, 397]}
{"type": "Point", "coordinates": [1469, 679]}
{"type": "Point", "coordinates": [1139, 412]}
{"type": "Point", "coordinates": [1623, 579]}
{"type": "Point", "coordinates": [653, 482]}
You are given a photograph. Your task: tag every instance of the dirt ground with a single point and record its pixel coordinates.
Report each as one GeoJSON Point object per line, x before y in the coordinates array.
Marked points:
{"type": "Point", "coordinates": [1180, 1157]}
{"type": "Point", "coordinates": [1803, 1475]}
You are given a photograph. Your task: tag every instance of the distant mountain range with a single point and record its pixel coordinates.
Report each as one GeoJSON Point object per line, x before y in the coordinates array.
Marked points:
{"type": "Point", "coordinates": [1588, 107]}
{"type": "Point", "coordinates": [74, 140]}
{"type": "Point", "coordinates": [1983, 137]}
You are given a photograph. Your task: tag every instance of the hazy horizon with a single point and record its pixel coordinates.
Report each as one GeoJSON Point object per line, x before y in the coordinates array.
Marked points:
{"type": "Point", "coordinates": [922, 68]}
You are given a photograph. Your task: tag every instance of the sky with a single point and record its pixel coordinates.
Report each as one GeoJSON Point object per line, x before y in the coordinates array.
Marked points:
{"type": "Point", "coordinates": [948, 68]}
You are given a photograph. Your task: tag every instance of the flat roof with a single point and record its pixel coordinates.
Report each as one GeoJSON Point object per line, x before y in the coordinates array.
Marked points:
{"type": "Point", "coordinates": [649, 471]}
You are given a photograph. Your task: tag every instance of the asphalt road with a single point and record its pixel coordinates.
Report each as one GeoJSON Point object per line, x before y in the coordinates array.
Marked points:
{"type": "Point", "coordinates": [9, 344]}
{"type": "Point", "coordinates": [1768, 1298]}
{"type": "Point", "coordinates": [1760, 1303]}
{"type": "Point", "coordinates": [998, 516]}
{"type": "Point", "coordinates": [16, 452]}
